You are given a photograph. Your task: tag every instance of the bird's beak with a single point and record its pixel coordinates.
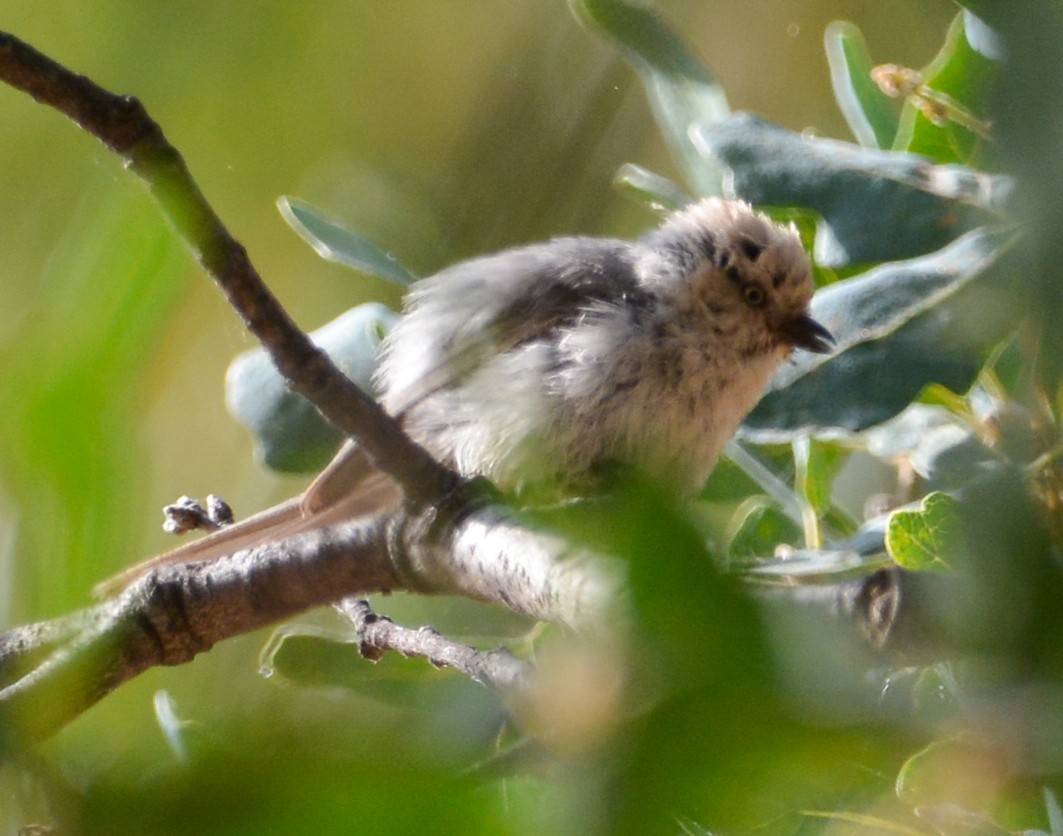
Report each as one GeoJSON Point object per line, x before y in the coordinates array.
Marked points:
{"type": "Point", "coordinates": [804, 332]}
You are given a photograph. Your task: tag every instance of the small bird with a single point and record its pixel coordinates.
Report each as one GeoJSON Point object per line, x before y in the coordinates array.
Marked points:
{"type": "Point", "coordinates": [544, 367]}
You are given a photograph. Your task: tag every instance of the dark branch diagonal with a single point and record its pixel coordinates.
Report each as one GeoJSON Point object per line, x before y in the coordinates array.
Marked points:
{"type": "Point", "coordinates": [123, 125]}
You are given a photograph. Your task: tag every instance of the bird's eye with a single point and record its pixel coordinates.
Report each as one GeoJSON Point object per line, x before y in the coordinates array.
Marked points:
{"type": "Point", "coordinates": [753, 295]}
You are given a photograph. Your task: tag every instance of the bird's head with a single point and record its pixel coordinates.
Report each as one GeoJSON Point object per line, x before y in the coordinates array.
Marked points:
{"type": "Point", "coordinates": [748, 276]}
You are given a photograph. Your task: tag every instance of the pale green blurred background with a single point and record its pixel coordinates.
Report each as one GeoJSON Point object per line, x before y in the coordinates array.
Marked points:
{"type": "Point", "coordinates": [439, 129]}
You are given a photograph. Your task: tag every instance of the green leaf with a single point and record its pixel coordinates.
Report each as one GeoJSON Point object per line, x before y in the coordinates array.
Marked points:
{"type": "Point", "coordinates": [937, 395]}
{"type": "Point", "coordinates": [899, 328]}
{"type": "Point", "coordinates": [818, 465]}
{"type": "Point", "coordinates": [681, 91]}
{"type": "Point", "coordinates": [289, 434]}
{"type": "Point", "coordinates": [871, 115]}
{"type": "Point", "coordinates": [960, 80]}
{"type": "Point", "coordinates": [334, 243]}
{"type": "Point", "coordinates": [759, 528]}
{"type": "Point", "coordinates": [927, 538]}
{"type": "Point", "coordinates": [875, 205]}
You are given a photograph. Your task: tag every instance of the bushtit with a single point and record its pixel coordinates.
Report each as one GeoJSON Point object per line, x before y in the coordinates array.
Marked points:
{"type": "Point", "coordinates": [543, 367]}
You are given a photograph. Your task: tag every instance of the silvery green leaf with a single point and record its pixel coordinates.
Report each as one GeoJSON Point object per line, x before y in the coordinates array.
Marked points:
{"type": "Point", "coordinates": [856, 555]}
{"type": "Point", "coordinates": [874, 205]}
{"type": "Point", "coordinates": [871, 115]}
{"type": "Point", "coordinates": [899, 327]}
{"type": "Point", "coordinates": [817, 566]}
{"type": "Point", "coordinates": [681, 91]}
{"type": "Point", "coordinates": [289, 434]}
{"type": "Point", "coordinates": [942, 449]}
{"type": "Point", "coordinates": [334, 243]}
{"type": "Point", "coordinates": [1053, 812]}
{"type": "Point", "coordinates": [982, 38]}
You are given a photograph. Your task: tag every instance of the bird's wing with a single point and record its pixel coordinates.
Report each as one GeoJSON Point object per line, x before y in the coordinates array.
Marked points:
{"type": "Point", "coordinates": [492, 305]}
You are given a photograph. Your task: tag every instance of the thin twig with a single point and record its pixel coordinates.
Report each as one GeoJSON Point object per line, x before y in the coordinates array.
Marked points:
{"type": "Point", "coordinates": [123, 125]}
{"type": "Point", "coordinates": [496, 669]}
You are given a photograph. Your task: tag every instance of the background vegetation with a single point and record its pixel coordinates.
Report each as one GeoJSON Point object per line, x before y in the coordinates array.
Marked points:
{"type": "Point", "coordinates": [439, 132]}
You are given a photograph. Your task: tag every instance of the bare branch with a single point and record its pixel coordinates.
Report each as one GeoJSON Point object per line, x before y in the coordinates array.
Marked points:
{"type": "Point", "coordinates": [496, 669]}
{"type": "Point", "coordinates": [490, 556]}
{"type": "Point", "coordinates": [171, 615]}
{"type": "Point", "coordinates": [24, 647]}
{"type": "Point", "coordinates": [122, 124]}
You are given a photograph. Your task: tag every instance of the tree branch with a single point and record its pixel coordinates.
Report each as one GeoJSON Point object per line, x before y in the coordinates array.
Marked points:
{"type": "Point", "coordinates": [122, 124]}
{"type": "Point", "coordinates": [170, 615]}
{"type": "Point", "coordinates": [496, 669]}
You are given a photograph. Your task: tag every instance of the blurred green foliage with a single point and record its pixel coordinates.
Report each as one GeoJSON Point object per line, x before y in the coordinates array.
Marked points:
{"type": "Point", "coordinates": [442, 131]}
